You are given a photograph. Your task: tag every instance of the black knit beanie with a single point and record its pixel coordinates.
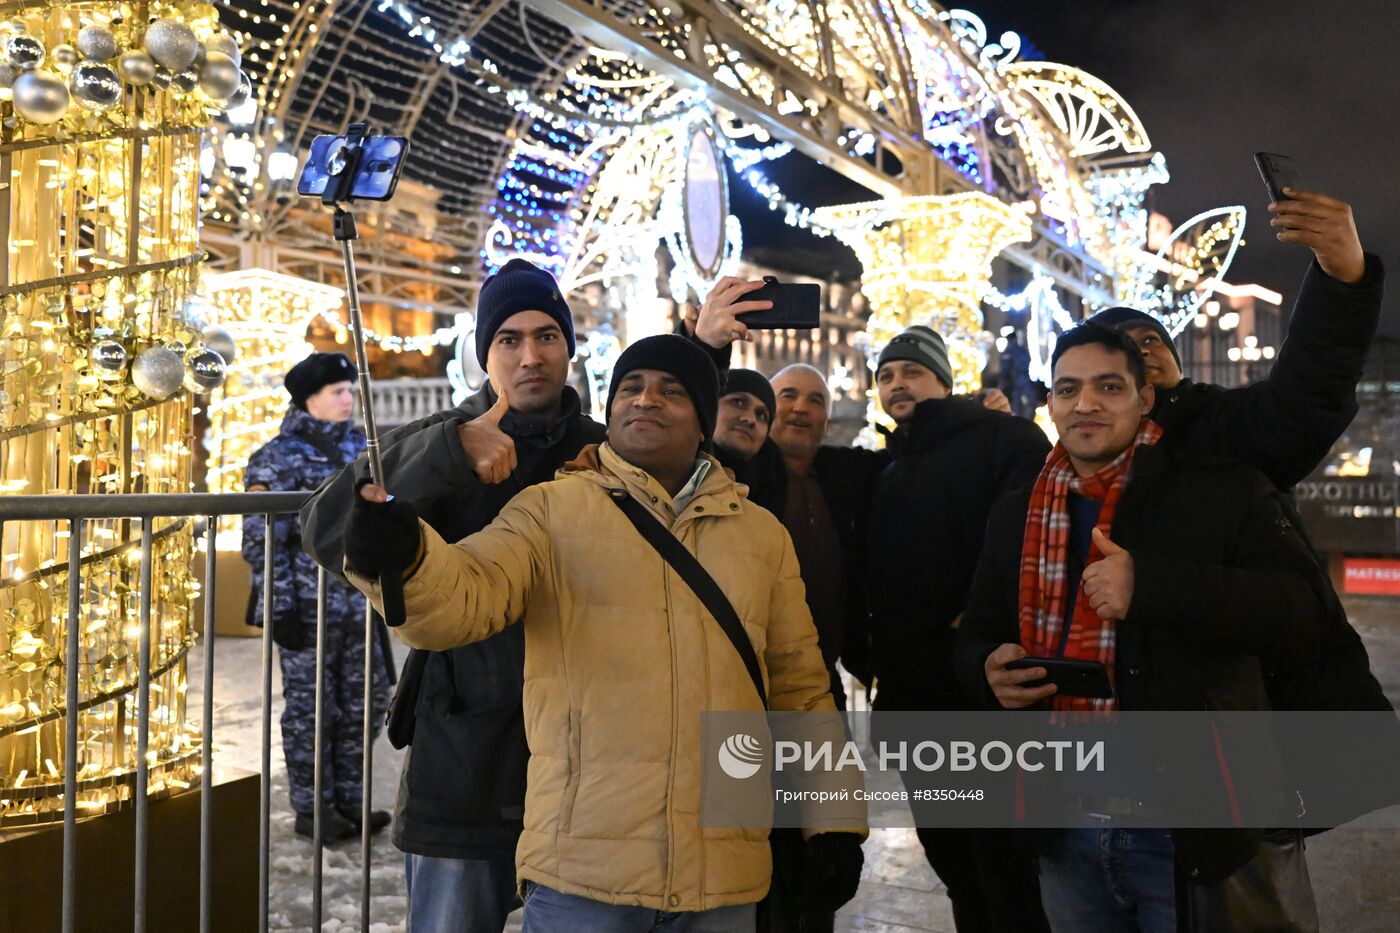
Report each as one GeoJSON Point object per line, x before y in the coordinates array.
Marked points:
{"type": "Point", "coordinates": [519, 286]}
{"type": "Point", "coordinates": [754, 383]}
{"type": "Point", "coordinates": [1121, 318]}
{"type": "Point", "coordinates": [316, 372]}
{"type": "Point", "coordinates": [682, 358]}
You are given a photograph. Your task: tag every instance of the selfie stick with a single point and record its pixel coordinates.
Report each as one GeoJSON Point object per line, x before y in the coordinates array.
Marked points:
{"type": "Point", "coordinates": [342, 168]}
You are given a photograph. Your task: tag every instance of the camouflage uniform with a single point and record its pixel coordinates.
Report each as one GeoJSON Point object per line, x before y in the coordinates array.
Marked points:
{"type": "Point", "coordinates": [300, 457]}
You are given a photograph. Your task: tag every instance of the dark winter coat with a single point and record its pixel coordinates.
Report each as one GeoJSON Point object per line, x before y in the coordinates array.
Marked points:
{"type": "Point", "coordinates": [304, 453]}
{"type": "Point", "coordinates": [1284, 425]}
{"type": "Point", "coordinates": [1227, 594]}
{"type": "Point", "coordinates": [765, 473]}
{"type": "Point", "coordinates": [847, 477]}
{"type": "Point", "coordinates": [463, 788]}
{"type": "Point", "coordinates": [929, 513]}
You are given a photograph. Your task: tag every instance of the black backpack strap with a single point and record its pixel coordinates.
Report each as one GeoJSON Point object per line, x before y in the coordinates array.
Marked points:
{"type": "Point", "coordinates": [697, 578]}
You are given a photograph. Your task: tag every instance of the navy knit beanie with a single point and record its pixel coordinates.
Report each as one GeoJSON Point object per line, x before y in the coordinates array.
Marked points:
{"type": "Point", "coordinates": [519, 286]}
{"type": "Point", "coordinates": [1121, 318]}
{"type": "Point", "coordinates": [682, 358]}
{"type": "Point", "coordinates": [754, 383]}
{"type": "Point", "coordinates": [316, 372]}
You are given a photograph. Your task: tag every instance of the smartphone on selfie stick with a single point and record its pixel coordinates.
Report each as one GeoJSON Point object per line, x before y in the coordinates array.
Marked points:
{"type": "Point", "coordinates": [341, 170]}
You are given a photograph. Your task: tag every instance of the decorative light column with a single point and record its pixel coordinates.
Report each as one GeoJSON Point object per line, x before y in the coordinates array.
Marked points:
{"type": "Point", "coordinates": [266, 314]}
{"type": "Point", "coordinates": [928, 261]}
{"type": "Point", "coordinates": [102, 110]}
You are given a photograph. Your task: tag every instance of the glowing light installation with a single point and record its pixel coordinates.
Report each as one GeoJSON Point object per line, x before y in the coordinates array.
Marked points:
{"type": "Point", "coordinates": [928, 261]}
{"type": "Point", "coordinates": [267, 313]}
{"type": "Point", "coordinates": [101, 252]}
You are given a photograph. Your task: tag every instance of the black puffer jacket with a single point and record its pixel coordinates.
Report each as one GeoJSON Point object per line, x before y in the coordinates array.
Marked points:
{"type": "Point", "coordinates": [1285, 424]}
{"type": "Point", "coordinates": [1228, 598]}
{"type": "Point", "coordinates": [463, 788]}
{"type": "Point", "coordinates": [951, 461]}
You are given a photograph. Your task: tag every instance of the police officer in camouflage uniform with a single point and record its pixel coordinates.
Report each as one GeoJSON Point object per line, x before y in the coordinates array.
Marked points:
{"type": "Point", "coordinates": [316, 440]}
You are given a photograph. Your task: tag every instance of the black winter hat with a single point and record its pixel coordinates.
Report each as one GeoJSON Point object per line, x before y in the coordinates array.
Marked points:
{"type": "Point", "coordinates": [519, 286]}
{"type": "Point", "coordinates": [682, 358]}
{"type": "Point", "coordinates": [924, 346]}
{"type": "Point", "coordinates": [1121, 318]}
{"type": "Point", "coordinates": [754, 383]}
{"type": "Point", "coordinates": [316, 372]}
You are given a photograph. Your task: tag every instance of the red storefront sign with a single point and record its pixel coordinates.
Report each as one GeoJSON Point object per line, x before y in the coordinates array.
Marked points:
{"type": "Point", "coordinates": [1371, 577]}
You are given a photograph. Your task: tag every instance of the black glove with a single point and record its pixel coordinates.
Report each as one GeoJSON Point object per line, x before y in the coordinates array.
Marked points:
{"type": "Point", "coordinates": [834, 861]}
{"type": "Point", "coordinates": [381, 538]}
{"type": "Point", "coordinates": [292, 629]}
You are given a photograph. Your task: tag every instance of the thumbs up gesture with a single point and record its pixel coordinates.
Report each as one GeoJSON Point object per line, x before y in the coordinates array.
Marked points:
{"type": "Point", "coordinates": [1108, 582]}
{"type": "Point", "coordinates": [489, 450]}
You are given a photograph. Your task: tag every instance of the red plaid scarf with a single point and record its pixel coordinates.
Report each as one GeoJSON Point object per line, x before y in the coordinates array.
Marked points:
{"type": "Point", "coordinates": [1045, 558]}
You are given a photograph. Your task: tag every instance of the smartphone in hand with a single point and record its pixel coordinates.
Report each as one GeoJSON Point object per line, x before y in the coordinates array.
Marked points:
{"type": "Point", "coordinates": [1073, 678]}
{"type": "Point", "coordinates": [1279, 172]}
{"type": "Point", "coordinates": [795, 305]}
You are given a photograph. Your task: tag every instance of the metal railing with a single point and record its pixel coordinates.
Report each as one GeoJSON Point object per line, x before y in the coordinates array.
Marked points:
{"type": "Point", "coordinates": [403, 401]}
{"type": "Point", "coordinates": [146, 508]}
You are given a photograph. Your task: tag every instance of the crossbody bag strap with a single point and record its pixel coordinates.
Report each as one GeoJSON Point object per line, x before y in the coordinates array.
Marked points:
{"type": "Point", "coordinates": [697, 578]}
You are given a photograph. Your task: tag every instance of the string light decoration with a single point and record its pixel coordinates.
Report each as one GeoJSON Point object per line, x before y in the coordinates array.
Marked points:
{"type": "Point", "coordinates": [100, 352]}
{"type": "Point", "coordinates": [928, 261]}
{"type": "Point", "coordinates": [549, 115]}
{"type": "Point", "coordinates": [1197, 253]}
{"type": "Point", "coordinates": [1043, 317]}
{"type": "Point", "coordinates": [266, 314]}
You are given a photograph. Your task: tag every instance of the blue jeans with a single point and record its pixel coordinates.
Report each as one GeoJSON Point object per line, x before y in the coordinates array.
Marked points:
{"type": "Point", "coordinates": [1107, 880]}
{"type": "Point", "coordinates": [453, 895]}
{"type": "Point", "coordinates": [548, 911]}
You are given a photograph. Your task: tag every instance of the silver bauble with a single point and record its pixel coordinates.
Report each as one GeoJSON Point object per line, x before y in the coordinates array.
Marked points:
{"type": "Point", "coordinates": [97, 44]}
{"type": "Point", "coordinates": [205, 370]}
{"type": "Point", "coordinates": [186, 81]}
{"type": "Point", "coordinates": [108, 359]}
{"type": "Point", "coordinates": [40, 96]}
{"type": "Point", "coordinates": [137, 68]}
{"type": "Point", "coordinates": [24, 52]}
{"type": "Point", "coordinates": [240, 96]}
{"type": "Point", "coordinates": [14, 27]}
{"type": "Point", "coordinates": [63, 58]}
{"type": "Point", "coordinates": [160, 79]}
{"type": "Point", "coordinates": [199, 53]}
{"type": "Point", "coordinates": [221, 342]}
{"type": "Point", "coordinates": [95, 86]}
{"type": "Point", "coordinates": [158, 372]}
{"type": "Point", "coordinates": [176, 346]}
{"type": "Point", "coordinates": [219, 79]}
{"type": "Point", "coordinates": [225, 43]}
{"type": "Point", "coordinates": [172, 44]}
{"type": "Point", "coordinates": [8, 74]}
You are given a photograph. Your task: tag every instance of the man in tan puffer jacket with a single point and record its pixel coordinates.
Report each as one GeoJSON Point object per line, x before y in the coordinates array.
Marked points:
{"type": "Point", "coordinates": [622, 658]}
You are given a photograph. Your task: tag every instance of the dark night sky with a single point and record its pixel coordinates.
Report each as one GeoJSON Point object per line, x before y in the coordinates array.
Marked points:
{"type": "Point", "coordinates": [1215, 82]}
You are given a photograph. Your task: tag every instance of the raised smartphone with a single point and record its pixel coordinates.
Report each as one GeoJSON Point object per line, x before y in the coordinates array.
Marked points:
{"type": "Point", "coordinates": [1279, 172]}
{"type": "Point", "coordinates": [381, 161]}
{"type": "Point", "coordinates": [795, 305]}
